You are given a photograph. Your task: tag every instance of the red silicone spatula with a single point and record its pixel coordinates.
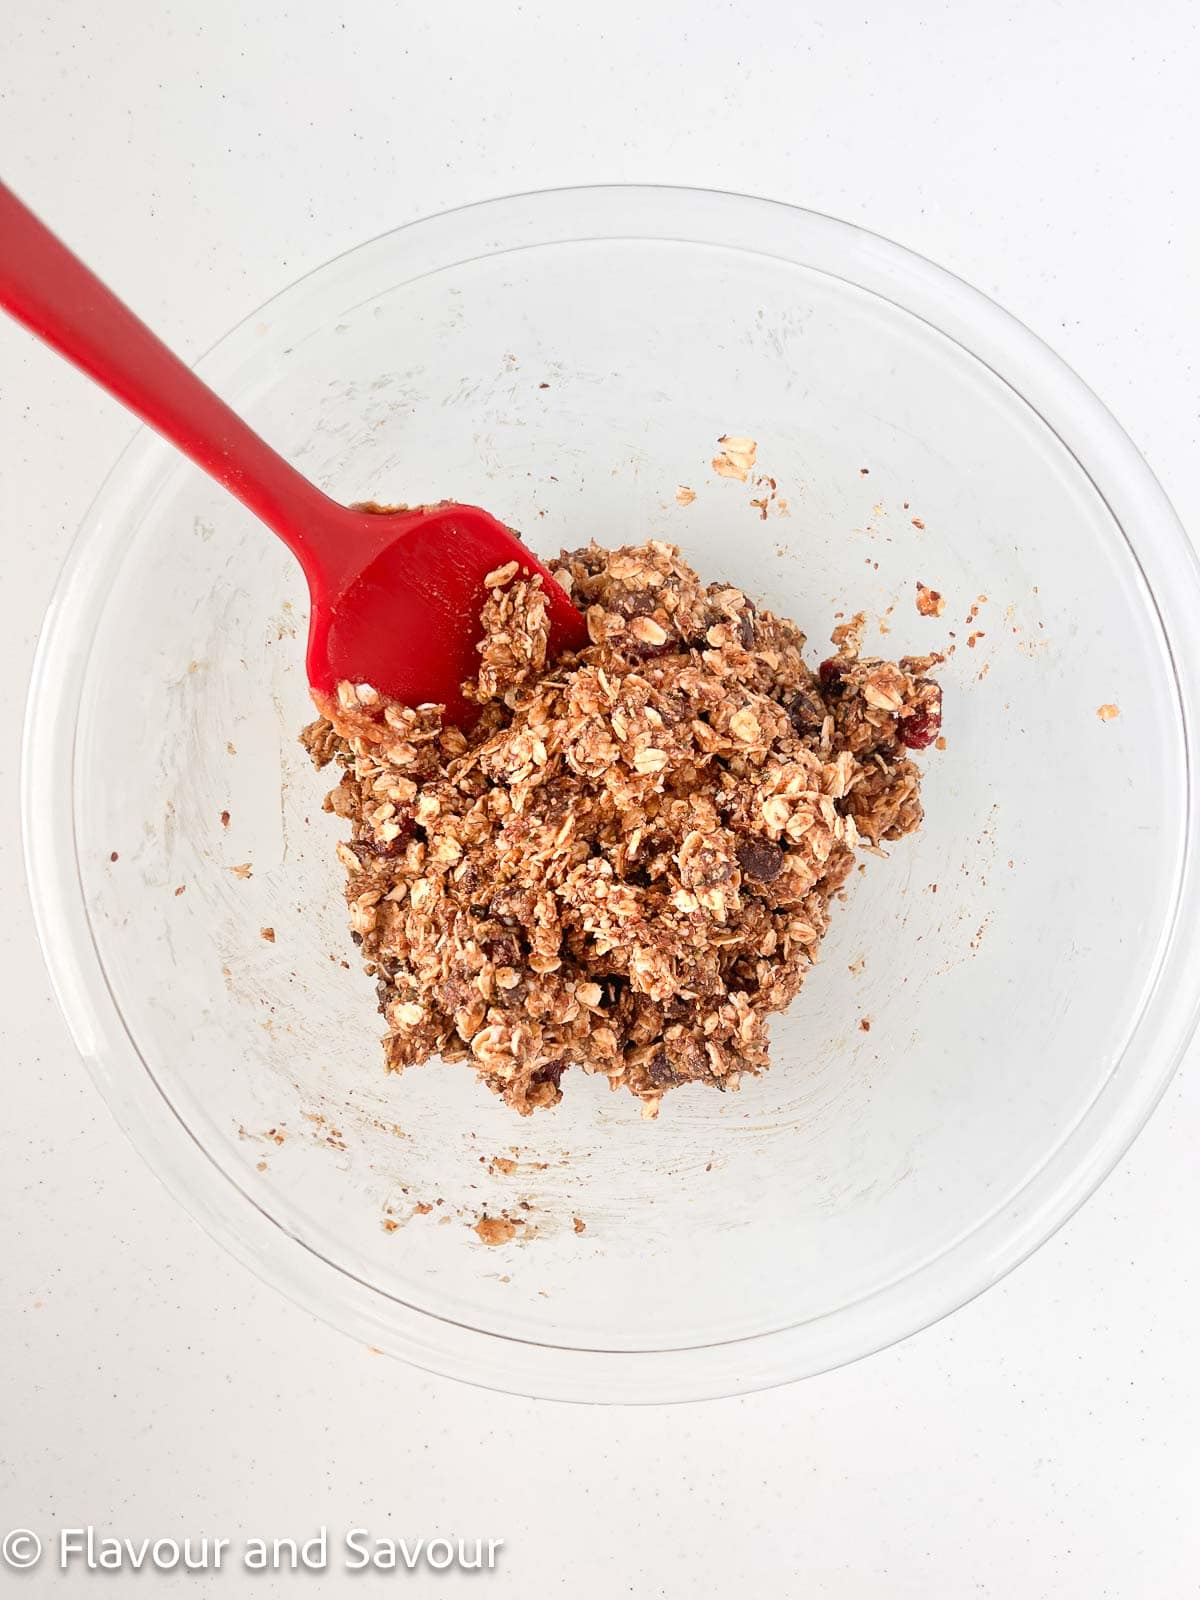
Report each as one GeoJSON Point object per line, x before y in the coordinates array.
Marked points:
{"type": "Point", "coordinates": [395, 594]}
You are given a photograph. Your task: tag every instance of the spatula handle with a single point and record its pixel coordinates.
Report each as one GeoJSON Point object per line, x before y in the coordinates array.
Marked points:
{"type": "Point", "coordinates": [50, 290]}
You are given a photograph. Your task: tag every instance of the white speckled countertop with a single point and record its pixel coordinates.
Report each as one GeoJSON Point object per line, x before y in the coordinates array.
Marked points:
{"type": "Point", "coordinates": [1041, 1442]}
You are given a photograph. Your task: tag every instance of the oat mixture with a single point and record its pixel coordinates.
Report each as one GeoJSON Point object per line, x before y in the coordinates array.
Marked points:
{"type": "Point", "coordinates": [628, 863]}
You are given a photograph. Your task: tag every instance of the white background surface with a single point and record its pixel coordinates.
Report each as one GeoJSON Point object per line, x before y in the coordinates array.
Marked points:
{"type": "Point", "coordinates": [1043, 1441]}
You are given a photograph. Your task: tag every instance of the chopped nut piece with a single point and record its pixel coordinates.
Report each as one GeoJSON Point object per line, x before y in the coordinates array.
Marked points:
{"type": "Point", "coordinates": [929, 602]}
{"type": "Point", "coordinates": [1107, 713]}
{"type": "Point", "coordinates": [684, 495]}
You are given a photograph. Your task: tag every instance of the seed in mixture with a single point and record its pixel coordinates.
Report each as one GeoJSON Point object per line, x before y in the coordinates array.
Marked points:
{"type": "Point", "coordinates": [628, 863]}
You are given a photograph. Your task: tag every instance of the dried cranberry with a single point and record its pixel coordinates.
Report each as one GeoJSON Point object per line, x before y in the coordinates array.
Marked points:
{"type": "Point", "coordinates": [832, 674]}
{"type": "Point", "coordinates": [920, 730]}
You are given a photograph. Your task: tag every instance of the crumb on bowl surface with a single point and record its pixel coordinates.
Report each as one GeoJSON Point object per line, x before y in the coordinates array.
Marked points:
{"type": "Point", "coordinates": [495, 1230]}
{"type": "Point", "coordinates": [627, 864]}
{"type": "Point", "coordinates": [735, 458]}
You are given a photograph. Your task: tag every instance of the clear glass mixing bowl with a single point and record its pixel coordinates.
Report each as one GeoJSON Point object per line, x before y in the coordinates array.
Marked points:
{"type": "Point", "coordinates": [568, 360]}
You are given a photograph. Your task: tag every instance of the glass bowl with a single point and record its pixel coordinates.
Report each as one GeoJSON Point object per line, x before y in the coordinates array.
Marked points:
{"type": "Point", "coordinates": [1001, 1001]}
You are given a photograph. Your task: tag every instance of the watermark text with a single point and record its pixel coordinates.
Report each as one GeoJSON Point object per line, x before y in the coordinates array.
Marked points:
{"type": "Point", "coordinates": [91, 1549]}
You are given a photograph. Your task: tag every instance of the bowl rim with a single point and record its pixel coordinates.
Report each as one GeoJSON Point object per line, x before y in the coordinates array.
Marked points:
{"type": "Point", "coordinates": [976, 1260]}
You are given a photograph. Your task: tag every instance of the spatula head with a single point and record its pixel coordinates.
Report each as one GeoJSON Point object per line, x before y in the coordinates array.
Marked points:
{"type": "Point", "coordinates": [400, 608]}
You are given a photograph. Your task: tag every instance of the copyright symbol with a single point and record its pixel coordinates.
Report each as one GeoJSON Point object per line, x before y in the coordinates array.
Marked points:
{"type": "Point", "coordinates": [20, 1549]}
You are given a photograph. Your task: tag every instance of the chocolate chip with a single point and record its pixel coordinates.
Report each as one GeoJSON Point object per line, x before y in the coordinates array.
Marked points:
{"type": "Point", "coordinates": [760, 859]}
